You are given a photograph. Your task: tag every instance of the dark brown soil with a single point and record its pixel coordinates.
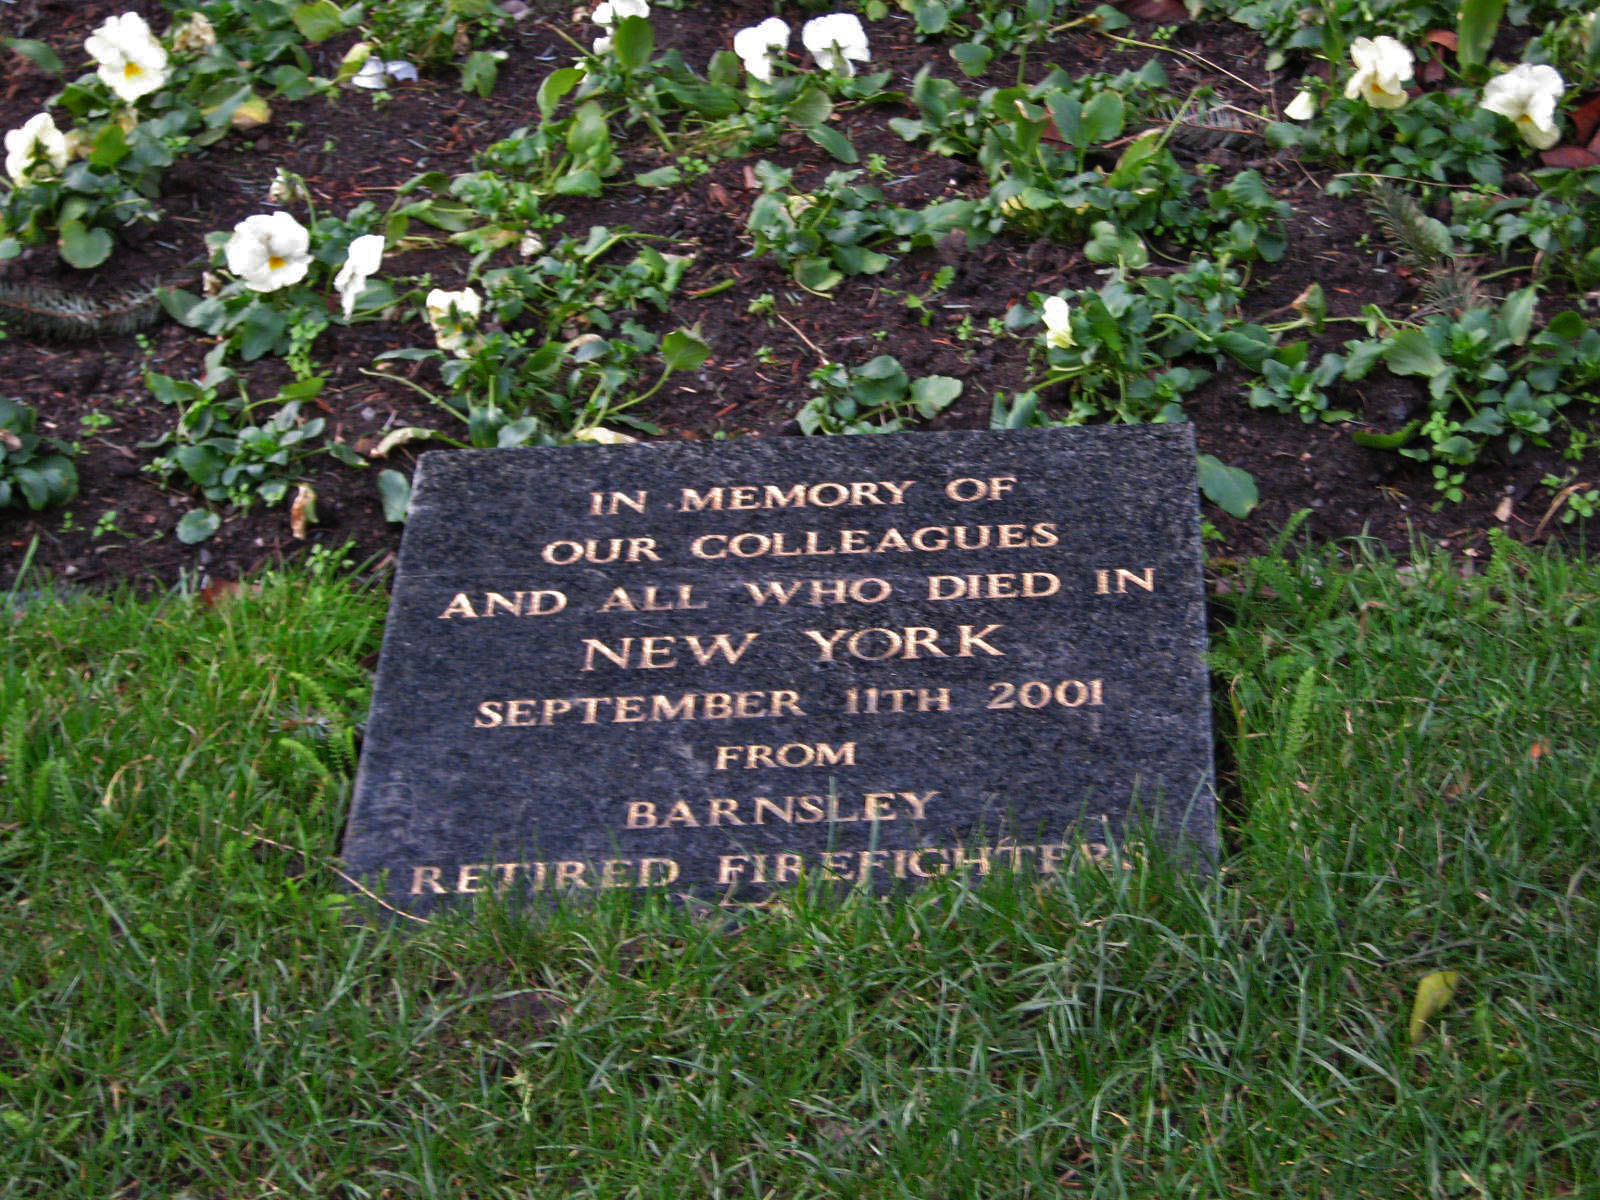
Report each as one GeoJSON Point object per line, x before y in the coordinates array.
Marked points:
{"type": "Point", "coordinates": [359, 149]}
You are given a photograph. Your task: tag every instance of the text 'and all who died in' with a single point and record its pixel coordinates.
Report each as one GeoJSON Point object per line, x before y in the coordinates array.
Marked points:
{"type": "Point", "coordinates": [721, 669]}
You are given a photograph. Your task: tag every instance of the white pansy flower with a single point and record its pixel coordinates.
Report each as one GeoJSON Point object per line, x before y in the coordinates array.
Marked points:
{"type": "Point", "coordinates": [269, 251]}
{"type": "Point", "coordinates": [1057, 323]}
{"type": "Point", "coordinates": [37, 150]}
{"type": "Point", "coordinates": [453, 316]}
{"type": "Point", "coordinates": [287, 188]}
{"type": "Point", "coordinates": [530, 245]}
{"type": "Point", "coordinates": [607, 15]}
{"type": "Point", "coordinates": [375, 74]}
{"type": "Point", "coordinates": [834, 40]}
{"type": "Point", "coordinates": [194, 36]}
{"type": "Point", "coordinates": [602, 45]}
{"type": "Point", "coordinates": [759, 47]}
{"type": "Point", "coordinates": [1528, 94]}
{"type": "Point", "coordinates": [132, 63]}
{"type": "Point", "coordinates": [361, 262]}
{"type": "Point", "coordinates": [1302, 108]}
{"type": "Point", "coordinates": [1382, 67]}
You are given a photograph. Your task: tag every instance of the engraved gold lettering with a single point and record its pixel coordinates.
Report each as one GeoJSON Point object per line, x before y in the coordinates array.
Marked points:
{"type": "Point", "coordinates": [746, 497]}
{"type": "Point", "coordinates": [609, 504]}
{"type": "Point", "coordinates": [685, 706]}
{"type": "Point", "coordinates": [426, 877]}
{"type": "Point", "coordinates": [507, 873]}
{"type": "Point", "coordinates": [823, 543]}
{"type": "Point", "coordinates": [651, 600]}
{"type": "Point", "coordinates": [879, 643]}
{"type": "Point", "coordinates": [896, 700]}
{"type": "Point", "coordinates": [600, 550]}
{"type": "Point", "coordinates": [656, 652]}
{"type": "Point", "coordinates": [669, 868]}
{"type": "Point", "coordinates": [1033, 693]}
{"type": "Point", "coordinates": [791, 754]}
{"type": "Point", "coordinates": [1106, 582]}
{"type": "Point", "coordinates": [641, 815]}
{"type": "Point", "coordinates": [960, 857]}
{"type": "Point", "coordinates": [1049, 856]}
{"type": "Point", "coordinates": [867, 860]}
{"type": "Point", "coordinates": [1004, 585]}
{"type": "Point", "coordinates": [571, 874]}
{"type": "Point", "coordinates": [834, 861]}
{"type": "Point", "coordinates": [613, 872]}
{"type": "Point", "coordinates": [966, 490]}
{"type": "Point", "coordinates": [467, 881]}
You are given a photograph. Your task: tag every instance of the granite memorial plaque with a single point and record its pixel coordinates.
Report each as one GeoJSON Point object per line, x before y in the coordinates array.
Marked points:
{"type": "Point", "coordinates": [722, 668]}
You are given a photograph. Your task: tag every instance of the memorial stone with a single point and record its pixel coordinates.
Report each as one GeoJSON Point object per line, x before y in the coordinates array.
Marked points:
{"type": "Point", "coordinates": [725, 668]}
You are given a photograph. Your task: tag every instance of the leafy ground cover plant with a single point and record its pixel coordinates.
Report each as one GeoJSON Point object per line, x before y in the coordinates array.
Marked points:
{"type": "Point", "coordinates": [1201, 220]}
{"type": "Point", "coordinates": [33, 471]}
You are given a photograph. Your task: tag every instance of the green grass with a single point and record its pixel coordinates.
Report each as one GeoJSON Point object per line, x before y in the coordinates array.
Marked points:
{"type": "Point", "coordinates": [189, 1008]}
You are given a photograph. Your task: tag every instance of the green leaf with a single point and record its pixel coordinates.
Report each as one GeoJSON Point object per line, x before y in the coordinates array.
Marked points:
{"type": "Point", "coordinates": [110, 146]}
{"type": "Point", "coordinates": [971, 58]}
{"type": "Point", "coordinates": [932, 16]}
{"type": "Point", "coordinates": [81, 246]}
{"type": "Point", "coordinates": [1250, 345]}
{"type": "Point", "coordinates": [36, 52]}
{"type": "Point", "coordinates": [395, 490]}
{"type": "Point", "coordinates": [197, 526]}
{"type": "Point", "coordinates": [659, 178]}
{"type": "Point", "coordinates": [479, 72]}
{"type": "Point", "coordinates": [834, 142]}
{"type": "Point", "coordinates": [556, 85]}
{"type": "Point", "coordinates": [1386, 441]}
{"type": "Point", "coordinates": [633, 41]}
{"type": "Point", "coordinates": [684, 350]}
{"type": "Point", "coordinates": [1067, 113]}
{"type": "Point", "coordinates": [932, 394]}
{"type": "Point", "coordinates": [1103, 118]}
{"type": "Point", "coordinates": [1140, 151]}
{"type": "Point", "coordinates": [1475, 29]}
{"type": "Point", "coordinates": [584, 182]}
{"type": "Point", "coordinates": [260, 331]}
{"type": "Point", "coordinates": [318, 21]}
{"type": "Point", "coordinates": [47, 481]}
{"type": "Point", "coordinates": [817, 274]}
{"type": "Point", "coordinates": [589, 137]}
{"type": "Point", "coordinates": [858, 260]}
{"type": "Point", "coordinates": [810, 107]}
{"type": "Point", "coordinates": [1434, 991]}
{"type": "Point", "coordinates": [724, 70]}
{"type": "Point", "coordinates": [703, 98]}
{"type": "Point", "coordinates": [1517, 313]}
{"type": "Point", "coordinates": [1230, 488]}
{"type": "Point", "coordinates": [1410, 352]}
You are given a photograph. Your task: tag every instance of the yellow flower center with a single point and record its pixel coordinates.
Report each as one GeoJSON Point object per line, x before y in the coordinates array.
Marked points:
{"type": "Point", "coordinates": [132, 70]}
{"type": "Point", "coordinates": [274, 262]}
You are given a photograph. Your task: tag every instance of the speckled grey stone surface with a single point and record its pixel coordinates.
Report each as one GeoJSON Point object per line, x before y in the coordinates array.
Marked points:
{"type": "Point", "coordinates": [1031, 726]}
